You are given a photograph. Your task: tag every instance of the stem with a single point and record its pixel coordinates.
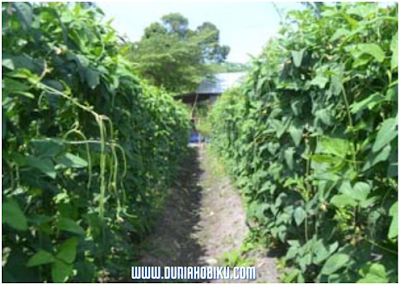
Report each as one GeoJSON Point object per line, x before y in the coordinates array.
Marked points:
{"type": "Point", "coordinates": [306, 227]}
{"type": "Point", "coordinates": [194, 105]}
{"type": "Point", "coordinates": [356, 210]}
{"type": "Point", "coordinates": [76, 131]}
{"type": "Point", "coordinates": [347, 106]}
{"type": "Point", "coordinates": [346, 102]}
{"type": "Point", "coordinates": [382, 247]}
{"type": "Point", "coordinates": [73, 101]}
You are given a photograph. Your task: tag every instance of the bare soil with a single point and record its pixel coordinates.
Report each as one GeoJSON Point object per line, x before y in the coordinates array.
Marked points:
{"type": "Point", "coordinates": [203, 219]}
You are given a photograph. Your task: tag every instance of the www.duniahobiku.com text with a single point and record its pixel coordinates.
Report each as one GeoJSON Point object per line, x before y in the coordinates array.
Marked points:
{"type": "Point", "coordinates": [192, 273]}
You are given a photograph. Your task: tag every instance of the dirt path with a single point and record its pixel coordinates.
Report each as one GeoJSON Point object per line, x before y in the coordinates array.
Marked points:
{"type": "Point", "coordinates": [204, 223]}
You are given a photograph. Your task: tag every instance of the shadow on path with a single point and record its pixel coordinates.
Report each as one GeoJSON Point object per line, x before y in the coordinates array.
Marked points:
{"type": "Point", "coordinates": [203, 219]}
{"type": "Point", "coordinates": [174, 242]}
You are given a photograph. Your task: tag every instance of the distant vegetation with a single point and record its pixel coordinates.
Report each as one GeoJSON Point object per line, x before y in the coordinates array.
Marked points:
{"type": "Point", "coordinates": [174, 57]}
{"type": "Point", "coordinates": [229, 67]}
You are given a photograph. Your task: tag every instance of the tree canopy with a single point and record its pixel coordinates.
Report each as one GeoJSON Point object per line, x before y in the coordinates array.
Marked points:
{"type": "Point", "coordinates": [173, 56]}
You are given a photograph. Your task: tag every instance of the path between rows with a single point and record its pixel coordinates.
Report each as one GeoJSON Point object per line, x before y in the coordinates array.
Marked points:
{"type": "Point", "coordinates": [203, 219]}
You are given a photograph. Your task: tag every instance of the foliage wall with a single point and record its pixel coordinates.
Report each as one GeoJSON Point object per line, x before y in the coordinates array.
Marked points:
{"type": "Point", "coordinates": [311, 140]}
{"type": "Point", "coordinates": [88, 148]}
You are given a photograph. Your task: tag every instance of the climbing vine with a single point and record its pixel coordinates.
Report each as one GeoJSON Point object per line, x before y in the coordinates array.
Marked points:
{"type": "Point", "coordinates": [88, 147]}
{"type": "Point", "coordinates": [311, 140]}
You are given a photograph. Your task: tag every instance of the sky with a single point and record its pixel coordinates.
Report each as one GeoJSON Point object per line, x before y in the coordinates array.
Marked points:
{"type": "Point", "coordinates": [244, 26]}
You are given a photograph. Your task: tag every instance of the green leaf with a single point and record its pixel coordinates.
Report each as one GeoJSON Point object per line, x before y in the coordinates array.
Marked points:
{"type": "Point", "coordinates": [386, 134]}
{"type": "Point", "coordinates": [360, 191]}
{"type": "Point", "coordinates": [13, 215]}
{"type": "Point", "coordinates": [339, 34]}
{"type": "Point", "coordinates": [372, 279]}
{"type": "Point", "coordinates": [291, 275]}
{"type": "Point", "coordinates": [392, 94]}
{"type": "Point", "coordinates": [41, 257]}
{"type": "Point", "coordinates": [43, 164]}
{"type": "Point", "coordinates": [23, 64]}
{"type": "Point", "coordinates": [366, 203]}
{"type": "Point", "coordinates": [26, 94]}
{"type": "Point", "coordinates": [378, 270]}
{"type": "Point", "coordinates": [299, 215]}
{"type": "Point", "coordinates": [320, 81]}
{"type": "Point", "coordinates": [392, 170]}
{"type": "Point", "coordinates": [296, 133]}
{"type": "Point", "coordinates": [67, 250]}
{"type": "Point", "coordinates": [4, 124]}
{"type": "Point", "coordinates": [373, 159]}
{"type": "Point", "coordinates": [370, 102]}
{"type": "Point", "coordinates": [60, 271]}
{"type": "Point", "coordinates": [294, 243]}
{"type": "Point", "coordinates": [321, 252]}
{"type": "Point", "coordinates": [289, 157]}
{"type": "Point", "coordinates": [360, 61]}
{"type": "Point", "coordinates": [297, 57]}
{"type": "Point", "coordinates": [373, 50]}
{"type": "Point", "coordinates": [24, 73]}
{"type": "Point", "coordinates": [70, 160]}
{"type": "Point", "coordinates": [324, 158]}
{"type": "Point", "coordinates": [334, 263]}
{"type": "Point", "coordinates": [335, 146]}
{"type": "Point", "coordinates": [83, 60]}
{"type": "Point", "coordinates": [55, 85]}
{"type": "Point", "coordinates": [325, 116]}
{"type": "Point", "coordinates": [40, 219]}
{"type": "Point", "coordinates": [395, 51]}
{"type": "Point", "coordinates": [353, 22]}
{"type": "Point", "coordinates": [14, 269]}
{"type": "Point", "coordinates": [86, 271]}
{"type": "Point", "coordinates": [342, 200]}
{"type": "Point", "coordinates": [297, 106]}
{"type": "Point", "coordinates": [69, 225]}
{"type": "Point", "coordinates": [376, 274]}
{"type": "Point", "coordinates": [393, 212]}
{"type": "Point", "coordinates": [47, 147]}
{"type": "Point", "coordinates": [13, 86]}
{"type": "Point", "coordinates": [24, 11]}
{"type": "Point", "coordinates": [92, 77]}
{"type": "Point", "coordinates": [363, 11]}
{"type": "Point", "coordinates": [8, 63]}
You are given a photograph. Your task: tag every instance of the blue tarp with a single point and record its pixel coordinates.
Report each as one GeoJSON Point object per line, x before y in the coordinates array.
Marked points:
{"type": "Point", "coordinates": [197, 137]}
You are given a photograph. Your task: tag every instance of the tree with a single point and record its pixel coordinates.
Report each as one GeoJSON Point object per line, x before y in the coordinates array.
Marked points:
{"type": "Point", "coordinates": [176, 23]}
{"type": "Point", "coordinates": [209, 42]}
{"type": "Point", "coordinates": [172, 56]}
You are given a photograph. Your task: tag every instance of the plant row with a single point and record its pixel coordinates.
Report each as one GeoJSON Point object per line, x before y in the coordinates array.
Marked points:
{"type": "Point", "coordinates": [88, 147]}
{"type": "Point", "coordinates": [311, 140]}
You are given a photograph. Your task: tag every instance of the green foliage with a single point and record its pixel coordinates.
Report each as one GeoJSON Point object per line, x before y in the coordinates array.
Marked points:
{"type": "Point", "coordinates": [202, 123]}
{"type": "Point", "coordinates": [376, 273]}
{"type": "Point", "coordinates": [239, 257]}
{"type": "Point", "coordinates": [311, 139]}
{"type": "Point", "coordinates": [88, 148]}
{"type": "Point", "coordinates": [13, 215]}
{"type": "Point", "coordinates": [172, 56]}
{"type": "Point", "coordinates": [224, 67]}
{"type": "Point", "coordinates": [236, 258]}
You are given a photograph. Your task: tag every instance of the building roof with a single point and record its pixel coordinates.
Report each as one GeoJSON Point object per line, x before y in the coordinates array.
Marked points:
{"type": "Point", "coordinates": [220, 83]}
{"type": "Point", "coordinates": [210, 87]}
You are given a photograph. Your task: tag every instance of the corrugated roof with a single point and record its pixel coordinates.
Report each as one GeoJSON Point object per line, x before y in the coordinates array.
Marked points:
{"type": "Point", "coordinates": [220, 83]}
